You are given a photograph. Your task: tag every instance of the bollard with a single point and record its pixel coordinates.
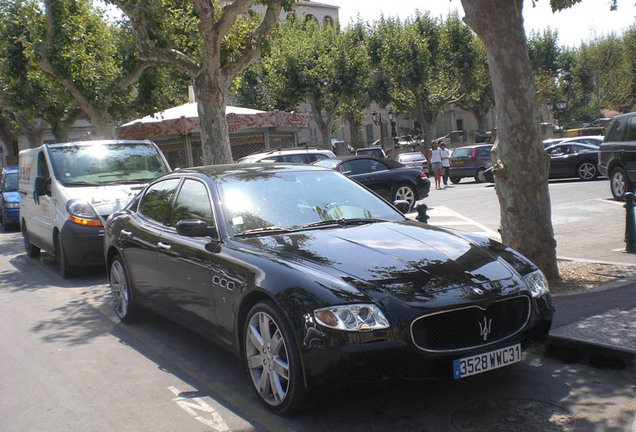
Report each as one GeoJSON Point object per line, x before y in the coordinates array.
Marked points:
{"type": "Point", "coordinates": [630, 228]}
{"type": "Point", "coordinates": [421, 213]}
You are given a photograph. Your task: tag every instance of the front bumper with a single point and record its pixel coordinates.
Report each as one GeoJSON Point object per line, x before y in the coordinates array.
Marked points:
{"type": "Point", "coordinates": [83, 245]}
{"type": "Point", "coordinates": [391, 354]}
{"type": "Point", "coordinates": [10, 216]}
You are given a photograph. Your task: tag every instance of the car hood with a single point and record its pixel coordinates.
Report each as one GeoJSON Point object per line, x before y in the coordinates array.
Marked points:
{"type": "Point", "coordinates": [11, 197]}
{"type": "Point", "coordinates": [106, 199]}
{"type": "Point", "coordinates": [405, 259]}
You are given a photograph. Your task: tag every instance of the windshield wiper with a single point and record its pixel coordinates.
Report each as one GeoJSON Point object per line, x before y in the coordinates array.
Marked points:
{"type": "Point", "coordinates": [266, 230]}
{"type": "Point", "coordinates": [341, 222]}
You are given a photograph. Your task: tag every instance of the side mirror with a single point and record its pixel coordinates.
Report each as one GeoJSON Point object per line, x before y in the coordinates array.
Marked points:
{"type": "Point", "coordinates": [195, 228]}
{"type": "Point", "coordinates": [42, 186]}
{"type": "Point", "coordinates": [402, 205]}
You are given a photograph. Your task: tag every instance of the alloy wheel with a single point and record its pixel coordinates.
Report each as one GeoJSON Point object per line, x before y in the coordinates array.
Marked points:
{"type": "Point", "coordinates": [267, 358]}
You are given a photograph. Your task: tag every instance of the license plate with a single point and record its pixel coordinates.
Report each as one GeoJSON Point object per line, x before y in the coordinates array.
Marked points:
{"type": "Point", "coordinates": [458, 162]}
{"type": "Point", "coordinates": [479, 363]}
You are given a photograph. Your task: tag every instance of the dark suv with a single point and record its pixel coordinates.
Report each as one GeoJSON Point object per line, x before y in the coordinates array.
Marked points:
{"type": "Point", "coordinates": [617, 155]}
{"type": "Point", "coordinates": [470, 161]}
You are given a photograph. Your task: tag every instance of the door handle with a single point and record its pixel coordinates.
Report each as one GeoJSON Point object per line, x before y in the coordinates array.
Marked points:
{"type": "Point", "coordinates": [126, 233]}
{"type": "Point", "coordinates": [164, 246]}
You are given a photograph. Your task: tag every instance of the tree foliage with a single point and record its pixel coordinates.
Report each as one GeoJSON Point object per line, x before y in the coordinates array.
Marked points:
{"type": "Point", "coordinates": [214, 41]}
{"type": "Point", "coordinates": [319, 64]}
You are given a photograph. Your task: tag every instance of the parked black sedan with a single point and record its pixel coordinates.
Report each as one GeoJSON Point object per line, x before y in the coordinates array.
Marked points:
{"type": "Point", "coordinates": [310, 279]}
{"type": "Point", "coordinates": [573, 160]}
{"type": "Point", "coordinates": [388, 178]}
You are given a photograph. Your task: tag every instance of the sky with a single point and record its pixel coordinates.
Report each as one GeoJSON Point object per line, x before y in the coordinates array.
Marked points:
{"type": "Point", "coordinates": [578, 24]}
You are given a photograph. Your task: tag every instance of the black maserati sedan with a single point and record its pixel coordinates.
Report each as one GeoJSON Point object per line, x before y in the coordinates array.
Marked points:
{"type": "Point", "coordinates": [311, 279]}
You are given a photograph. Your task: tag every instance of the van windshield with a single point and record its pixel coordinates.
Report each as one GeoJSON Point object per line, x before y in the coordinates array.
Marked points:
{"type": "Point", "coordinates": [97, 164]}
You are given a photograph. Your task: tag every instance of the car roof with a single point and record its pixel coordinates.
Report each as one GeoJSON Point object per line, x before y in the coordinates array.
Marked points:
{"type": "Point", "coordinates": [291, 150]}
{"type": "Point", "coordinates": [475, 145]}
{"type": "Point", "coordinates": [589, 146]}
{"type": "Point", "coordinates": [388, 162]}
{"type": "Point", "coordinates": [97, 142]}
{"type": "Point", "coordinates": [245, 169]}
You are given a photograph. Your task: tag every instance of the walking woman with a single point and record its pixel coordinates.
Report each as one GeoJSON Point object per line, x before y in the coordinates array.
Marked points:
{"type": "Point", "coordinates": [435, 159]}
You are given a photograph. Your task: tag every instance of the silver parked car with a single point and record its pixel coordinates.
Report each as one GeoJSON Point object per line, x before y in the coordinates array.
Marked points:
{"type": "Point", "coordinates": [414, 160]}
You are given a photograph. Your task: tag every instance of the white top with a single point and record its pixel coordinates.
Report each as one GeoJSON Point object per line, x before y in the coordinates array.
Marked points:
{"type": "Point", "coordinates": [445, 154]}
{"type": "Point", "coordinates": [436, 156]}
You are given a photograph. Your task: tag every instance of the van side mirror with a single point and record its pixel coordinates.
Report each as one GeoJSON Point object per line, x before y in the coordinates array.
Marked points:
{"type": "Point", "coordinates": [42, 186]}
{"type": "Point", "coordinates": [195, 228]}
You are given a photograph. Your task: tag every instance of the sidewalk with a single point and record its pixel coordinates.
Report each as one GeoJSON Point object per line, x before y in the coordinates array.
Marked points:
{"type": "Point", "coordinates": [597, 327]}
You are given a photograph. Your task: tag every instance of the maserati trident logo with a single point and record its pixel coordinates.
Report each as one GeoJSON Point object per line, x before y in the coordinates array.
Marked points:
{"type": "Point", "coordinates": [484, 328]}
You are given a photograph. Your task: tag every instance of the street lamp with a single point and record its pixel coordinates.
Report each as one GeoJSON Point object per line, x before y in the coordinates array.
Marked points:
{"type": "Point", "coordinates": [559, 107]}
{"type": "Point", "coordinates": [377, 120]}
{"type": "Point", "coordinates": [393, 126]}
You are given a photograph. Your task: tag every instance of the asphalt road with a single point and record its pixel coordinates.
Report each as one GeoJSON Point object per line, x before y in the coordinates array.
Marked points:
{"type": "Point", "coordinates": [588, 224]}
{"type": "Point", "coordinates": [66, 364]}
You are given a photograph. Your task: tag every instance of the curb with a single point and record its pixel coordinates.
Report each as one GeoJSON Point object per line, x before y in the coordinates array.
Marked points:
{"type": "Point", "coordinates": [574, 350]}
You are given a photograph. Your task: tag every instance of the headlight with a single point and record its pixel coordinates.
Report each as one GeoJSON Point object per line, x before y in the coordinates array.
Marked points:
{"type": "Point", "coordinates": [82, 213]}
{"type": "Point", "coordinates": [357, 317]}
{"type": "Point", "coordinates": [537, 283]}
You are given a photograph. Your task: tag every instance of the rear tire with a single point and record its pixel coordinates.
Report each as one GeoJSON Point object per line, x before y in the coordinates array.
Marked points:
{"type": "Point", "coordinates": [405, 192]}
{"type": "Point", "coordinates": [121, 291]}
{"type": "Point", "coordinates": [586, 171]}
{"type": "Point", "coordinates": [31, 250]}
{"type": "Point", "coordinates": [455, 180]}
{"type": "Point", "coordinates": [620, 184]}
{"type": "Point", "coordinates": [479, 176]}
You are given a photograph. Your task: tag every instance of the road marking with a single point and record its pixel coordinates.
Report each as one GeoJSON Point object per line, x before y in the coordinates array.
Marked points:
{"type": "Point", "coordinates": [441, 216]}
{"type": "Point", "coordinates": [194, 405]}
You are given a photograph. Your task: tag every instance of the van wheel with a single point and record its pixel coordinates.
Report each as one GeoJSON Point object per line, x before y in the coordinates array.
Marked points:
{"type": "Point", "coordinates": [619, 184]}
{"type": "Point", "coordinates": [63, 267]}
{"type": "Point", "coordinates": [31, 250]}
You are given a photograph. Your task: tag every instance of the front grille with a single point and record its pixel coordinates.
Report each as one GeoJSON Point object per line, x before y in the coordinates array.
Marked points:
{"type": "Point", "coordinates": [471, 326]}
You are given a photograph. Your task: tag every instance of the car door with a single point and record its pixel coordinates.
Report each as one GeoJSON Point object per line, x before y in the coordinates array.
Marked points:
{"type": "Point", "coordinates": [560, 160]}
{"type": "Point", "coordinates": [42, 209]}
{"type": "Point", "coordinates": [370, 173]}
{"type": "Point", "coordinates": [184, 263]}
{"type": "Point", "coordinates": [628, 152]}
{"type": "Point", "coordinates": [139, 240]}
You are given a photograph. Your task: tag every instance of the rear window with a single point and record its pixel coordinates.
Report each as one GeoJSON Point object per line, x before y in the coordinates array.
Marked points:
{"type": "Point", "coordinates": [461, 152]}
{"type": "Point", "coordinates": [617, 131]}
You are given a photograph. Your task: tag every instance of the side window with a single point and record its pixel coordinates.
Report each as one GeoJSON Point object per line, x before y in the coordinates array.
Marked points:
{"type": "Point", "coordinates": [43, 169]}
{"type": "Point", "coordinates": [155, 204]}
{"type": "Point", "coordinates": [320, 156]}
{"type": "Point", "coordinates": [193, 202]}
{"type": "Point", "coordinates": [356, 166]}
{"type": "Point", "coordinates": [617, 131]}
{"type": "Point", "coordinates": [631, 129]}
{"type": "Point", "coordinates": [377, 166]}
{"type": "Point", "coordinates": [483, 152]}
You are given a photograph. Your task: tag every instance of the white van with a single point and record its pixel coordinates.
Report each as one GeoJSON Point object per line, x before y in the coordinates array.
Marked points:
{"type": "Point", "coordinates": [68, 190]}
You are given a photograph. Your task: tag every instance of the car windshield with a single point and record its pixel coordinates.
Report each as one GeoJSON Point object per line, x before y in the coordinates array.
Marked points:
{"type": "Point", "coordinates": [295, 200]}
{"type": "Point", "coordinates": [10, 182]}
{"type": "Point", "coordinates": [106, 163]}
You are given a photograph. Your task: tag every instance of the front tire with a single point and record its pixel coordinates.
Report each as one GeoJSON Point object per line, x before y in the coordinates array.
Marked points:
{"type": "Point", "coordinates": [63, 266]}
{"type": "Point", "coordinates": [406, 193]}
{"type": "Point", "coordinates": [121, 291]}
{"type": "Point", "coordinates": [619, 184]}
{"type": "Point", "coordinates": [586, 171]}
{"type": "Point", "coordinates": [272, 359]}
{"type": "Point", "coordinates": [31, 250]}
{"type": "Point", "coordinates": [455, 180]}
